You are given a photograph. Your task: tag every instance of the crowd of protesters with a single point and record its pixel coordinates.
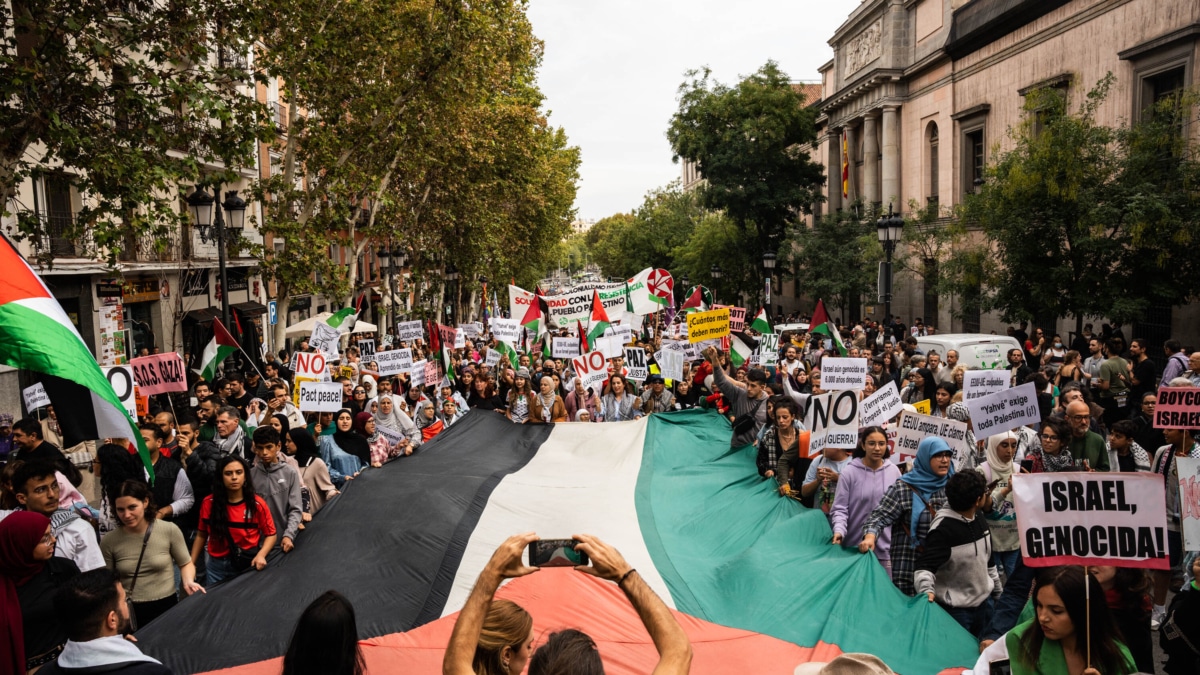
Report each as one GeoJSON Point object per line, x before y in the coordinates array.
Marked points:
{"type": "Point", "coordinates": [240, 471]}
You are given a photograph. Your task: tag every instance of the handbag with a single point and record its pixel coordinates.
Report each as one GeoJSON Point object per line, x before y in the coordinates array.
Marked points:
{"type": "Point", "coordinates": [745, 422]}
{"type": "Point", "coordinates": [241, 558]}
{"type": "Point", "coordinates": [133, 626]}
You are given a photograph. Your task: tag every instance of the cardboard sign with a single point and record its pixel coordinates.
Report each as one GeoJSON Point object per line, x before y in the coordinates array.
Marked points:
{"type": "Point", "coordinates": [592, 369]}
{"type": "Point", "coordinates": [366, 349]}
{"type": "Point", "coordinates": [121, 379]}
{"type": "Point", "coordinates": [394, 362]}
{"type": "Point", "coordinates": [417, 374]}
{"type": "Point", "coordinates": [737, 317]}
{"type": "Point", "coordinates": [832, 420]}
{"type": "Point", "coordinates": [1078, 518]}
{"type": "Point", "coordinates": [493, 357]}
{"type": "Point", "coordinates": [320, 397]}
{"type": "Point", "coordinates": [143, 404]}
{"type": "Point", "coordinates": [980, 383]}
{"type": "Point", "coordinates": [324, 339]}
{"type": "Point", "coordinates": [565, 348]}
{"type": "Point", "coordinates": [1189, 501]}
{"type": "Point", "coordinates": [838, 374]}
{"type": "Point", "coordinates": [768, 349]}
{"type": "Point", "coordinates": [622, 331]}
{"type": "Point", "coordinates": [393, 437]}
{"type": "Point", "coordinates": [924, 407]}
{"type": "Point", "coordinates": [409, 331]}
{"type": "Point", "coordinates": [635, 364]}
{"type": "Point", "coordinates": [710, 325]}
{"type": "Point", "coordinates": [431, 372]}
{"type": "Point", "coordinates": [1004, 410]}
{"type": "Point", "coordinates": [671, 364]}
{"type": "Point", "coordinates": [159, 374]}
{"type": "Point", "coordinates": [35, 397]}
{"type": "Point", "coordinates": [506, 330]}
{"type": "Point", "coordinates": [471, 330]}
{"type": "Point", "coordinates": [881, 406]}
{"type": "Point", "coordinates": [913, 428]}
{"type": "Point", "coordinates": [1177, 408]}
{"type": "Point", "coordinates": [610, 346]}
{"type": "Point", "coordinates": [311, 366]}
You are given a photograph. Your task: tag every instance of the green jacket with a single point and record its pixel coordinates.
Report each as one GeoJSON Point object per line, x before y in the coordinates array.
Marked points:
{"type": "Point", "coordinates": [1051, 660]}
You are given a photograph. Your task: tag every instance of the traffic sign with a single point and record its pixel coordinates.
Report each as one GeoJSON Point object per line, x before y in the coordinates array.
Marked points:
{"type": "Point", "coordinates": [272, 312]}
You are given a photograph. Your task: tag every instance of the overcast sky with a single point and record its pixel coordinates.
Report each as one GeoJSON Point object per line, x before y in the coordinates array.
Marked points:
{"type": "Point", "coordinates": [612, 69]}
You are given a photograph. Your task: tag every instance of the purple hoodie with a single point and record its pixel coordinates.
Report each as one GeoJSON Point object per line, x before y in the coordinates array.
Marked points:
{"type": "Point", "coordinates": [859, 491]}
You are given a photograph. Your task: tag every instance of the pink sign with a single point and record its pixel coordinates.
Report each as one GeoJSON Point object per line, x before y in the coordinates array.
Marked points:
{"type": "Point", "coordinates": [1177, 408]}
{"type": "Point", "coordinates": [431, 373]}
{"type": "Point", "coordinates": [159, 374]}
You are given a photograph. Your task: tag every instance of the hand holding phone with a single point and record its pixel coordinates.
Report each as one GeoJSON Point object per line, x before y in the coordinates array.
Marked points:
{"type": "Point", "coordinates": [1027, 466]}
{"type": "Point", "coordinates": [607, 562]}
{"type": "Point", "coordinates": [556, 553]}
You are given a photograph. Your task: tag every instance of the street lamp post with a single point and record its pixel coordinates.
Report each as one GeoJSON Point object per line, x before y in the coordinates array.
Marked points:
{"type": "Point", "coordinates": [769, 268]}
{"type": "Point", "coordinates": [207, 213]}
{"type": "Point", "coordinates": [716, 277]}
{"type": "Point", "coordinates": [889, 229]}
{"type": "Point", "coordinates": [451, 277]}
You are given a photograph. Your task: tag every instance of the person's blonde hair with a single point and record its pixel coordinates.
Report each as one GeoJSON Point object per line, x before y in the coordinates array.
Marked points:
{"type": "Point", "coordinates": [507, 624]}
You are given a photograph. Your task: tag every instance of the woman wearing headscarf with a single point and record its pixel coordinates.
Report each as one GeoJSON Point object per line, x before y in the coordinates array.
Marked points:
{"type": "Point", "coordinates": [520, 398]}
{"type": "Point", "coordinates": [546, 406]}
{"type": "Point", "coordinates": [427, 421]}
{"type": "Point", "coordinates": [380, 449]}
{"type": "Point", "coordinates": [317, 477]}
{"type": "Point", "coordinates": [344, 450]}
{"type": "Point", "coordinates": [31, 632]}
{"type": "Point", "coordinates": [390, 416]}
{"type": "Point", "coordinates": [581, 399]}
{"type": "Point", "coordinates": [966, 455]}
{"type": "Point", "coordinates": [1002, 516]}
{"type": "Point", "coordinates": [908, 507]}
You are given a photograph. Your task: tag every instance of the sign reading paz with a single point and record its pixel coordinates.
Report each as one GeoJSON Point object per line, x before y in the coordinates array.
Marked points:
{"type": "Point", "coordinates": [320, 396]}
{"type": "Point", "coordinates": [1177, 408]}
{"type": "Point", "coordinates": [592, 369]}
{"type": "Point", "coordinates": [713, 324]}
{"type": "Point", "coordinates": [1092, 519]}
{"type": "Point", "coordinates": [635, 361]}
{"type": "Point", "coordinates": [1004, 410]}
{"type": "Point", "coordinates": [832, 420]}
{"type": "Point", "coordinates": [838, 374]}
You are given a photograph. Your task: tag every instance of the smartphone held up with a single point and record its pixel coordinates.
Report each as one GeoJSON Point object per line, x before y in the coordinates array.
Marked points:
{"type": "Point", "coordinates": [556, 553]}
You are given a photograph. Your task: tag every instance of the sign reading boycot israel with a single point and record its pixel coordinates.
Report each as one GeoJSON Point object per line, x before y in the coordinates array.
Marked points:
{"type": "Point", "coordinates": [576, 304]}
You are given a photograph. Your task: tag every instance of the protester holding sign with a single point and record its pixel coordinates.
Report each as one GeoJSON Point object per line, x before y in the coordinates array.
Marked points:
{"type": "Point", "coordinates": [860, 489]}
{"type": "Point", "coordinates": [389, 416]}
{"type": "Point", "coordinates": [747, 405]}
{"type": "Point", "coordinates": [1002, 514]}
{"type": "Point", "coordinates": [821, 478]}
{"type": "Point", "coordinates": [1180, 443]}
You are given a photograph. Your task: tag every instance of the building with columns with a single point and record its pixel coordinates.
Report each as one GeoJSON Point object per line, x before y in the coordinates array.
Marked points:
{"type": "Point", "coordinates": [922, 93]}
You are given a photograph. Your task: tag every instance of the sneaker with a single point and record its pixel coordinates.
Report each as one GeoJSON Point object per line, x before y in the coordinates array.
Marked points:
{"type": "Point", "coordinates": [1157, 618]}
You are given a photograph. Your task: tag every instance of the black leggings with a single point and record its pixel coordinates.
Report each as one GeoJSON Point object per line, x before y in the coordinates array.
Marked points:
{"type": "Point", "coordinates": [149, 611]}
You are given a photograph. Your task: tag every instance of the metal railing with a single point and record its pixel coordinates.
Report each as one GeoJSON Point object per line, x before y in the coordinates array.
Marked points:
{"type": "Point", "coordinates": [281, 115]}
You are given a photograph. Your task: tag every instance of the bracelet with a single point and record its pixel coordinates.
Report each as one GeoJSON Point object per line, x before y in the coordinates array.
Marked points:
{"type": "Point", "coordinates": [625, 576]}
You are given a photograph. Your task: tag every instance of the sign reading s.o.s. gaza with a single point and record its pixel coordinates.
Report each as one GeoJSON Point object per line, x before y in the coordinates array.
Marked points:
{"type": "Point", "coordinates": [1092, 519]}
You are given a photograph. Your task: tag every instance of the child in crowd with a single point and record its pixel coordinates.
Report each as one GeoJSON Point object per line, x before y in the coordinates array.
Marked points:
{"type": "Point", "coordinates": [1124, 454]}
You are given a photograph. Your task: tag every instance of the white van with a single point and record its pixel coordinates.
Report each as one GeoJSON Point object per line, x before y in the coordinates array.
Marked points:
{"type": "Point", "coordinates": [975, 350]}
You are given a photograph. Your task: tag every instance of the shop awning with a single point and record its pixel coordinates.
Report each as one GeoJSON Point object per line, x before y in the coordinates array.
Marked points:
{"type": "Point", "coordinates": [250, 308]}
{"type": "Point", "coordinates": [202, 315]}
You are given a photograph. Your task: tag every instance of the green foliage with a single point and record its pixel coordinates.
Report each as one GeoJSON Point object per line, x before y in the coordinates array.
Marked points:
{"type": "Point", "coordinates": [1087, 220]}
{"type": "Point", "coordinates": [745, 141]}
{"type": "Point", "coordinates": [836, 259]}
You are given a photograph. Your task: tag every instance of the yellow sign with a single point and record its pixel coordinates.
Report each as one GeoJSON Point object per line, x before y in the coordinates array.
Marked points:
{"type": "Point", "coordinates": [923, 407]}
{"type": "Point", "coordinates": [710, 325]}
{"type": "Point", "coordinates": [296, 387]}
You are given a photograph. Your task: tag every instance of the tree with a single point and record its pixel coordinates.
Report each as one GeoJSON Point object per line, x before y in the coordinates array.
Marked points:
{"type": "Point", "coordinates": [836, 258]}
{"type": "Point", "coordinates": [624, 244]}
{"type": "Point", "coordinates": [1086, 220]}
{"type": "Point", "coordinates": [746, 141]}
{"type": "Point", "coordinates": [718, 240]}
{"type": "Point", "coordinates": [105, 90]}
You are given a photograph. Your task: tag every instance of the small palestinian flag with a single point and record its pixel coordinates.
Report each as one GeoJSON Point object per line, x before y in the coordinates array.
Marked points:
{"type": "Point", "coordinates": [218, 349]}
{"type": "Point", "coordinates": [821, 325]}
{"type": "Point", "coordinates": [600, 321]}
{"type": "Point", "coordinates": [698, 301]}
{"type": "Point", "coordinates": [506, 350]}
{"type": "Point", "coordinates": [741, 346]}
{"type": "Point", "coordinates": [536, 315]}
{"type": "Point", "coordinates": [760, 322]}
{"type": "Point", "coordinates": [584, 347]}
{"type": "Point", "coordinates": [344, 319]}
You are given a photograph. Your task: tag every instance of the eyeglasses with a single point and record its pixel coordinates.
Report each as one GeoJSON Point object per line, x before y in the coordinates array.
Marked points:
{"type": "Point", "coordinates": [1048, 437]}
{"type": "Point", "coordinates": [1079, 417]}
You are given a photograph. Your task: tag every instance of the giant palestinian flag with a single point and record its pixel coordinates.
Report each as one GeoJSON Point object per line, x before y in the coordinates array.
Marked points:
{"type": "Point", "coordinates": [751, 576]}
{"type": "Point", "coordinates": [36, 335]}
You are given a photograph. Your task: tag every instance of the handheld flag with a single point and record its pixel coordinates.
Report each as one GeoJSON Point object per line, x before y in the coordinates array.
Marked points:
{"type": "Point", "coordinates": [821, 325]}
{"type": "Point", "coordinates": [600, 321]}
{"type": "Point", "coordinates": [583, 339]}
{"type": "Point", "coordinates": [217, 350]}
{"type": "Point", "coordinates": [344, 319]}
{"type": "Point", "coordinates": [760, 323]}
{"type": "Point", "coordinates": [36, 335]}
{"type": "Point", "coordinates": [698, 301]}
{"type": "Point", "coordinates": [741, 346]}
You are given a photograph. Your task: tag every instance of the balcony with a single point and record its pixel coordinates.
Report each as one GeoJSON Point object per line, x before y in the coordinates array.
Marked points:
{"type": "Point", "coordinates": [59, 240]}
{"type": "Point", "coordinates": [280, 112]}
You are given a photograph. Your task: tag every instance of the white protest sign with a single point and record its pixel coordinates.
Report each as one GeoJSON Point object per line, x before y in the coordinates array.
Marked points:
{"type": "Point", "coordinates": [366, 349]}
{"type": "Point", "coordinates": [121, 379]}
{"type": "Point", "coordinates": [394, 362]}
{"type": "Point", "coordinates": [565, 348]}
{"type": "Point", "coordinates": [506, 330]}
{"type": "Point", "coordinates": [592, 369]}
{"type": "Point", "coordinates": [320, 397]}
{"type": "Point", "coordinates": [471, 330]}
{"type": "Point", "coordinates": [1080, 518]}
{"type": "Point", "coordinates": [914, 427]}
{"type": "Point", "coordinates": [980, 383]}
{"type": "Point", "coordinates": [881, 406]}
{"type": "Point", "coordinates": [1189, 501]}
{"type": "Point", "coordinates": [838, 374]}
{"type": "Point", "coordinates": [35, 397]}
{"type": "Point", "coordinates": [311, 366]}
{"type": "Point", "coordinates": [670, 363]}
{"type": "Point", "coordinates": [1004, 410]}
{"type": "Point", "coordinates": [621, 331]}
{"type": "Point", "coordinates": [768, 349]}
{"type": "Point", "coordinates": [635, 363]}
{"type": "Point", "coordinates": [678, 346]}
{"type": "Point", "coordinates": [832, 420]}
{"type": "Point", "coordinates": [393, 437]}
{"type": "Point", "coordinates": [493, 357]}
{"type": "Point", "coordinates": [325, 339]}
{"type": "Point", "coordinates": [408, 331]}
{"type": "Point", "coordinates": [610, 345]}
{"type": "Point", "coordinates": [417, 374]}
{"type": "Point", "coordinates": [460, 340]}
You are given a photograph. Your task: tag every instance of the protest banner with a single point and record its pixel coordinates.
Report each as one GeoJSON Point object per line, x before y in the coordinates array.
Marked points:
{"type": "Point", "coordinates": [838, 374]}
{"type": "Point", "coordinates": [394, 362]}
{"type": "Point", "coordinates": [675, 346]}
{"type": "Point", "coordinates": [610, 346]}
{"type": "Point", "coordinates": [324, 339]}
{"type": "Point", "coordinates": [881, 406]}
{"type": "Point", "coordinates": [1189, 501]}
{"type": "Point", "coordinates": [393, 437]}
{"type": "Point", "coordinates": [1080, 518]}
{"type": "Point", "coordinates": [366, 349]}
{"type": "Point", "coordinates": [924, 407]}
{"type": "Point", "coordinates": [592, 369]}
{"type": "Point", "coordinates": [447, 335]}
{"type": "Point", "coordinates": [565, 348]}
{"type": "Point", "coordinates": [832, 420]}
{"type": "Point", "coordinates": [737, 317]}
{"type": "Point", "coordinates": [125, 387]}
{"type": "Point", "coordinates": [506, 330]}
{"type": "Point", "coordinates": [671, 364]}
{"type": "Point", "coordinates": [1004, 410]}
{"type": "Point", "coordinates": [432, 373]}
{"type": "Point", "coordinates": [1177, 408]}
{"type": "Point", "coordinates": [710, 325]}
{"type": "Point", "coordinates": [416, 376]}
{"type": "Point", "coordinates": [644, 292]}
{"type": "Point", "coordinates": [980, 383]}
{"type": "Point", "coordinates": [471, 330]}
{"type": "Point", "coordinates": [768, 349]}
{"type": "Point", "coordinates": [143, 405]}
{"type": "Point", "coordinates": [320, 396]}
{"type": "Point", "coordinates": [635, 363]}
{"type": "Point", "coordinates": [914, 427]}
{"type": "Point", "coordinates": [493, 357]}
{"type": "Point", "coordinates": [35, 397]}
{"type": "Point", "coordinates": [159, 373]}
{"type": "Point", "coordinates": [408, 331]}
{"type": "Point", "coordinates": [622, 331]}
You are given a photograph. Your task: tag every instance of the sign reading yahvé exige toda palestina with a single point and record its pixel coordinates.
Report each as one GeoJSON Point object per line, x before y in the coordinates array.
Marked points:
{"type": "Point", "coordinates": [1083, 518]}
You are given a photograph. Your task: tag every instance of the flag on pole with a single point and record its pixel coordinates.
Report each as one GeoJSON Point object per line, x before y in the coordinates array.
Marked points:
{"type": "Point", "coordinates": [760, 322]}
{"type": "Point", "coordinates": [629, 299]}
{"type": "Point", "coordinates": [36, 335]}
{"type": "Point", "coordinates": [741, 346]}
{"type": "Point", "coordinates": [344, 319]}
{"type": "Point", "coordinates": [821, 325]}
{"type": "Point", "coordinates": [506, 350]}
{"type": "Point", "coordinates": [695, 302]}
{"type": "Point", "coordinates": [216, 351]}
{"type": "Point", "coordinates": [599, 322]}
{"type": "Point", "coordinates": [845, 167]}
{"type": "Point", "coordinates": [583, 338]}
{"type": "Point", "coordinates": [536, 315]}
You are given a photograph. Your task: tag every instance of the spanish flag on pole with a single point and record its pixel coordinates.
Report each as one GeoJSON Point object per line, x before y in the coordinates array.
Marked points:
{"type": "Point", "coordinates": [845, 168]}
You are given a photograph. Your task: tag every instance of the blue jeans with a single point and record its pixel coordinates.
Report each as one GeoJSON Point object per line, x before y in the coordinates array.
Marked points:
{"type": "Point", "coordinates": [1011, 602]}
{"type": "Point", "coordinates": [1006, 561]}
{"type": "Point", "coordinates": [974, 619]}
{"type": "Point", "coordinates": [219, 569]}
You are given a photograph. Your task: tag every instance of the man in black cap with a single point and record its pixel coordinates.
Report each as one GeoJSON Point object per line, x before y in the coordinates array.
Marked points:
{"type": "Point", "coordinates": [656, 397]}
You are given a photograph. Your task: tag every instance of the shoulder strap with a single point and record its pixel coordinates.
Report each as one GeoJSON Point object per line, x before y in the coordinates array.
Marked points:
{"type": "Point", "coordinates": [138, 570]}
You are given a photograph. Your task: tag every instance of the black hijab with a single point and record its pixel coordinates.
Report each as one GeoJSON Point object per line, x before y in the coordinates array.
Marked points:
{"type": "Point", "coordinates": [306, 447]}
{"type": "Point", "coordinates": [284, 425]}
{"type": "Point", "coordinates": [350, 441]}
